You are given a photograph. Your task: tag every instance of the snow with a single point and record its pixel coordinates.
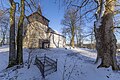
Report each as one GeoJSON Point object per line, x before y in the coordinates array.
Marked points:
{"type": "Point", "coordinates": [102, 8]}
{"type": "Point", "coordinates": [98, 23]}
{"type": "Point", "coordinates": [100, 12]}
{"type": "Point", "coordinates": [73, 64]}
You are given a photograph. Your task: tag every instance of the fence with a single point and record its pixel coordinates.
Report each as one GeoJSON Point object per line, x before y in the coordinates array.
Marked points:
{"type": "Point", "coordinates": [46, 65]}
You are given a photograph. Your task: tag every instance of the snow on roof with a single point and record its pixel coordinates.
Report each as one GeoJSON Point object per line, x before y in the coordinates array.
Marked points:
{"type": "Point", "coordinates": [56, 32]}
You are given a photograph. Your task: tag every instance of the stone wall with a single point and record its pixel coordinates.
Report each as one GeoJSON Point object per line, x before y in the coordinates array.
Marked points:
{"type": "Point", "coordinates": [36, 32]}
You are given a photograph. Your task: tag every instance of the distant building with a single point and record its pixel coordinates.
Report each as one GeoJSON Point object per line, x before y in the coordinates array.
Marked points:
{"type": "Point", "coordinates": [38, 34]}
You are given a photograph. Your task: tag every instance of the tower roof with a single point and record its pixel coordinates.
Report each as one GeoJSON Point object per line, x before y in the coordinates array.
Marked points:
{"type": "Point", "coordinates": [39, 10]}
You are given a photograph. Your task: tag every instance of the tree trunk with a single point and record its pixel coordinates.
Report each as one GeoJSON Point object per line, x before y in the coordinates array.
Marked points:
{"type": "Point", "coordinates": [77, 44]}
{"type": "Point", "coordinates": [72, 42]}
{"type": "Point", "coordinates": [20, 35]}
{"type": "Point", "coordinates": [3, 39]}
{"type": "Point", "coordinates": [12, 51]}
{"type": "Point", "coordinates": [72, 38]}
{"type": "Point", "coordinates": [92, 39]}
{"type": "Point", "coordinates": [105, 39]}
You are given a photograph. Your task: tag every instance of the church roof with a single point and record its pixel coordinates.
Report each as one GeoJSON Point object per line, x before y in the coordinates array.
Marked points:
{"type": "Point", "coordinates": [37, 16]}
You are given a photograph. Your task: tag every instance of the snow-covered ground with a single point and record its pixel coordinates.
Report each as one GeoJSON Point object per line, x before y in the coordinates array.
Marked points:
{"type": "Point", "coordinates": [73, 64]}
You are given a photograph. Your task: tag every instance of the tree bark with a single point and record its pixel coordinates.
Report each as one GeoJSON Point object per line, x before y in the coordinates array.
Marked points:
{"type": "Point", "coordinates": [105, 39]}
{"type": "Point", "coordinates": [12, 51]}
{"type": "Point", "coordinates": [73, 35]}
{"type": "Point", "coordinates": [3, 39]}
{"type": "Point", "coordinates": [20, 35]}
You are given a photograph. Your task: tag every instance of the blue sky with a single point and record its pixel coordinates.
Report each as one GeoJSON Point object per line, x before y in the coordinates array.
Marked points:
{"type": "Point", "coordinates": [54, 13]}
{"type": "Point", "coordinates": [51, 10]}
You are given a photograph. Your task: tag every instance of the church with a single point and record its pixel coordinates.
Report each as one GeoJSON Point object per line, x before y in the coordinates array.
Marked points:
{"type": "Point", "coordinates": [38, 34]}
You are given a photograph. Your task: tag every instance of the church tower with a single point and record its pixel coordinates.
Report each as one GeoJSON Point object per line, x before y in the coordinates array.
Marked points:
{"type": "Point", "coordinates": [39, 10]}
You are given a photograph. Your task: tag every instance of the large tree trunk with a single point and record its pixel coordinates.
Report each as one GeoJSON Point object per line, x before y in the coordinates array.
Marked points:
{"type": "Point", "coordinates": [12, 51]}
{"type": "Point", "coordinates": [105, 39]}
{"type": "Point", "coordinates": [20, 35]}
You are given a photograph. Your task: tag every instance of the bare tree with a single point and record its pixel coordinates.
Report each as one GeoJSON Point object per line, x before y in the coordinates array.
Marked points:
{"type": "Point", "coordinates": [92, 39]}
{"type": "Point", "coordinates": [79, 36]}
{"type": "Point", "coordinates": [67, 33]}
{"type": "Point", "coordinates": [105, 38]}
{"type": "Point", "coordinates": [104, 35]}
{"type": "Point", "coordinates": [4, 28]}
{"type": "Point", "coordinates": [70, 21]}
{"type": "Point", "coordinates": [20, 34]}
{"type": "Point", "coordinates": [12, 52]}
{"type": "Point", "coordinates": [32, 5]}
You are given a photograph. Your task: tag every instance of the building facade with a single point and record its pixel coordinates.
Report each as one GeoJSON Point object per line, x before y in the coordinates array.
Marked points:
{"type": "Point", "coordinates": [38, 34]}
